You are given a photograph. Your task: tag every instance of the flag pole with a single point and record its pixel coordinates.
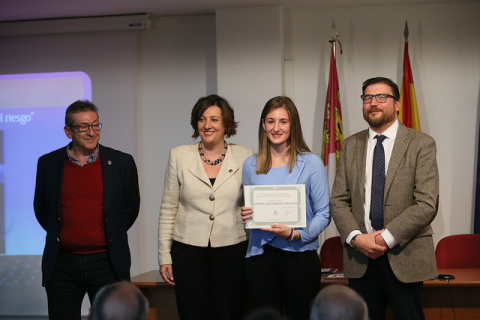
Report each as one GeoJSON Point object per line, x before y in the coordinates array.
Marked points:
{"type": "Point", "coordinates": [332, 126]}
{"type": "Point", "coordinates": [334, 39]}
{"type": "Point", "coordinates": [408, 114]}
{"type": "Point", "coordinates": [405, 31]}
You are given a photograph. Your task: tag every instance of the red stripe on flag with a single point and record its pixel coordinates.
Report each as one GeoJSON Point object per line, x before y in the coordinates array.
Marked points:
{"type": "Point", "coordinates": [408, 112]}
{"type": "Point", "coordinates": [407, 79]}
{"type": "Point", "coordinates": [333, 127]}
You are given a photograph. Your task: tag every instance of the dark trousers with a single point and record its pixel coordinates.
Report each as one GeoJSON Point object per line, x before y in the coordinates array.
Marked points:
{"type": "Point", "coordinates": [284, 280]}
{"type": "Point", "coordinates": [210, 282]}
{"type": "Point", "coordinates": [75, 275]}
{"type": "Point", "coordinates": [380, 288]}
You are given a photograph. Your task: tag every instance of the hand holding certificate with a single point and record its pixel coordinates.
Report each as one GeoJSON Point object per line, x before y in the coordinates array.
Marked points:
{"type": "Point", "coordinates": [280, 204]}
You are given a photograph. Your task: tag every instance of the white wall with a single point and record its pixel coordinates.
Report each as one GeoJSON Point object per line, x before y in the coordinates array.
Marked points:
{"type": "Point", "coordinates": [444, 46]}
{"type": "Point", "coordinates": [250, 59]}
{"type": "Point", "coordinates": [177, 67]}
{"type": "Point", "coordinates": [445, 56]}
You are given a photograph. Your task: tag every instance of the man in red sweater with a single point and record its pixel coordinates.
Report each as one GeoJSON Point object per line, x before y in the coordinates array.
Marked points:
{"type": "Point", "coordinates": [86, 198]}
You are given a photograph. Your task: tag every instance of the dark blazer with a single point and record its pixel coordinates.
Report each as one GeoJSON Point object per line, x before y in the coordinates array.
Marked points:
{"type": "Point", "coordinates": [121, 203]}
{"type": "Point", "coordinates": [410, 203]}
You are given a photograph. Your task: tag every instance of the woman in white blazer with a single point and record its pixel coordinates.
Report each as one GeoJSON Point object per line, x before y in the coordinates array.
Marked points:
{"type": "Point", "coordinates": [201, 239]}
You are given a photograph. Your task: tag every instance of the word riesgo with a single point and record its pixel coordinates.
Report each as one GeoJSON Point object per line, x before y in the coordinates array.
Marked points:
{"type": "Point", "coordinates": [22, 118]}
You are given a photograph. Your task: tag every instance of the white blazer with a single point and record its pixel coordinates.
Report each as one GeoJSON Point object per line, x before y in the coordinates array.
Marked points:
{"type": "Point", "coordinates": [192, 211]}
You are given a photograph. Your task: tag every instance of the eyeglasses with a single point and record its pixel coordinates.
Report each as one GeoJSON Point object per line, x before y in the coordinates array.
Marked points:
{"type": "Point", "coordinates": [381, 97]}
{"type": "Point", "coordinates": [86, 127]}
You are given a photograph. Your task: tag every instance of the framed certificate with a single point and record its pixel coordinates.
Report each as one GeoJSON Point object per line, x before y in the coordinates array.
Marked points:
{"type": "Point", "coordinates": [280, 204]}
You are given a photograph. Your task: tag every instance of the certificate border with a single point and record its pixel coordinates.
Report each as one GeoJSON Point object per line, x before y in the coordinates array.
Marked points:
{"type": "Point", "coordinates": [301, 206]}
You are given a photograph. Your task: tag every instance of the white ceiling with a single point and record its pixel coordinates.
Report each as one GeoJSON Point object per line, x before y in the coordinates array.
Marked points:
{"type": "Point", "coordinates": [12, 10]}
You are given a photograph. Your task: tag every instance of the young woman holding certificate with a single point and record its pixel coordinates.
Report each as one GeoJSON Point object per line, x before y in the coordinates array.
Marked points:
{"type": "Point", "coordinates": [282, 265]}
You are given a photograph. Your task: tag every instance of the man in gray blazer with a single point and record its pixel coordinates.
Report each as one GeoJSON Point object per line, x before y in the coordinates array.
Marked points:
{"type": "Point", "coordinates": [388, 252]}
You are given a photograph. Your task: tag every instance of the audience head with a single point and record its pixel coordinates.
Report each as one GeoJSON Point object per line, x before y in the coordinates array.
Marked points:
{"type": "Point", "coordinates": [339, 302]}
{"type": "Point", "coordinates": [119, 301]}
{"type": "Point", "coordinates": [265, 313]}
{"type": "Point", "coordinates": [228, 114]}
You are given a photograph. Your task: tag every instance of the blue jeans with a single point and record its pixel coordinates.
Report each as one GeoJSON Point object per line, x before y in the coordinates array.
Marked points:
{"type": "Point", "coordinates": [73, 277]}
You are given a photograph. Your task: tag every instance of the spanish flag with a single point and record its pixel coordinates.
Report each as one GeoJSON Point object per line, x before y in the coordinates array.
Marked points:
{"type": "Point", "coordinates": [333, 126]}
{"type": "Point", "coordinates": [408, 111]}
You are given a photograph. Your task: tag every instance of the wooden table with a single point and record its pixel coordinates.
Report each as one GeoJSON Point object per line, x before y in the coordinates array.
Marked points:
{"type": "Point", "coordinates": [463, 293]}
{"type": "Point", "coordinates": [160, 295]}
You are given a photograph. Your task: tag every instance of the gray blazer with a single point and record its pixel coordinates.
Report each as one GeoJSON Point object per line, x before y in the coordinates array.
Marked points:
{"type": "Point", "coordinates": [193, 212]}
{"type": "Point", "coordinates": [410, 203]}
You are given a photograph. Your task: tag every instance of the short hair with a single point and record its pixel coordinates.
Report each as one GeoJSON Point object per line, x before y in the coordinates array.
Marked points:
{"type": "Point", "coordinates": [228, 115]}
{"type": "Point", "coordinates": [76, 107]}
{"type": "Point", "coordinates": [338, 302]}
{"type": "Point", "coordinates": [297, 142]}
{"type": "Point", "coordinates": [388, 82]}
{"type": "Point", "coordinates": [139, 311]}
{"type": "Point", "coordinates": [264, 313]}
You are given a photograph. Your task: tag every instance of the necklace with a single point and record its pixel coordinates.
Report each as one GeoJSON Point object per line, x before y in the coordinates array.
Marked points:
{"type": "Point", "coordinates": [207, 161]}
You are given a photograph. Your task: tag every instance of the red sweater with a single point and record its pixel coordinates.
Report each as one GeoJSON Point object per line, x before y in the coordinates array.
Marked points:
{"type": "Point", "coordinates": [82, 230]}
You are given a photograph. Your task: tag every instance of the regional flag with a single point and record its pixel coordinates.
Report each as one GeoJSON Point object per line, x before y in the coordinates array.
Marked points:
{"type": "Point", "coordinates": [476, 221]}
{"type": "Point", "coordinates": [408, 110]}
{"type": "Point", "coordinates": [332, 127]}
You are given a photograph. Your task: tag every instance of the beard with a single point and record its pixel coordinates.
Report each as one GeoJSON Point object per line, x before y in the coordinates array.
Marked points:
{"type": "Point", "coordinates": [382, 117]}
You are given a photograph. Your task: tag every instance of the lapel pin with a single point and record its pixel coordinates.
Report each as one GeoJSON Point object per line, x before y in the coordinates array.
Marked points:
{"type": "Point", "coordinates": [109, 162]}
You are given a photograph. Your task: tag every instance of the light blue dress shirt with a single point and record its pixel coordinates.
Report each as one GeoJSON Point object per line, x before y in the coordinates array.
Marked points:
{"type": "Point", "coordinates": [309, 171]}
